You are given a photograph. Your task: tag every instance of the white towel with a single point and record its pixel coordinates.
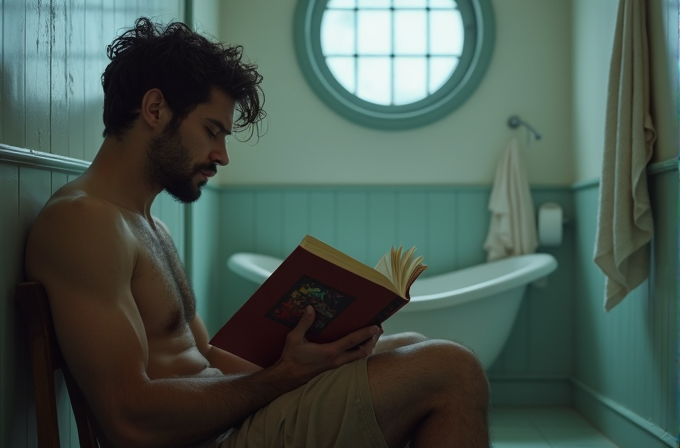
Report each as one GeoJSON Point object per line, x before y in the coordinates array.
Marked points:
{"type": "Point", "coordinates": [512, 230]}
{"type": "Point", "coordinates": [625, 225]}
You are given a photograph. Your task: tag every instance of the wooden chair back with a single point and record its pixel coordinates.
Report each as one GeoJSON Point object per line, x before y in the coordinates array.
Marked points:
{"type": "Point", "coordinates": [46, 358]}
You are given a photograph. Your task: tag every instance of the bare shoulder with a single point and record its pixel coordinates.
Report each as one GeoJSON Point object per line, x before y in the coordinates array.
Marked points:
{"type": "Point", "coordinates": [73, 231]}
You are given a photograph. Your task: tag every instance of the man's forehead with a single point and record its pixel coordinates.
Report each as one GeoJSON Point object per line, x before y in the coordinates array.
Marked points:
{"type": "Point", "coordinates": [219, 107]}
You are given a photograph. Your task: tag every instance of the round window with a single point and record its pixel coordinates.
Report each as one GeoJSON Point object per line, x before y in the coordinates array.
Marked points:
{"type": "Point", "coordinates": [394, 64]}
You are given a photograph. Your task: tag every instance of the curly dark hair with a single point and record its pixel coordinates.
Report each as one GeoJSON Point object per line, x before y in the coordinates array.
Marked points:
{"type": "Point", "coordinates": [185, 66]}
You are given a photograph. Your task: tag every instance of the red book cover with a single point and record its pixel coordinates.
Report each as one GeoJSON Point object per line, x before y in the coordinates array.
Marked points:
{"type": "Point", "coordinates": [344, 302]}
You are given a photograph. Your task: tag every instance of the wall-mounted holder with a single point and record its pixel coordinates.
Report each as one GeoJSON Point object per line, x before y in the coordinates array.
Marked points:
{"type": "Point", "coordinates": [514, 122]}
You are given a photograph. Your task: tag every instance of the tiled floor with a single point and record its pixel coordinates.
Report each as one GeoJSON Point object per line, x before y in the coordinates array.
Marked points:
{"type": "Point", "coordinates": [544, 428]}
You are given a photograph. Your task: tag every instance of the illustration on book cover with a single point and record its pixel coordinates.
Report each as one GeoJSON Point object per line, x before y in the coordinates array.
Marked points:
{"type": "Point", "coordinates": [328, 303]}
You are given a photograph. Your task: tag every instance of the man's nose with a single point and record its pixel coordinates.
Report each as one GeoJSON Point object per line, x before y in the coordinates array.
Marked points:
{"type": "Point", "coordinates": [220, 155]}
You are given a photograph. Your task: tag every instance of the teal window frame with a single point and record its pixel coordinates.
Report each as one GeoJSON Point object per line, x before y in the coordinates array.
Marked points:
{"type": "Point", "coordinates": [479, 24]}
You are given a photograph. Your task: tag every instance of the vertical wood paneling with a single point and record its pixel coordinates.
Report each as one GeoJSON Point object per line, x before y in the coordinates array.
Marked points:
{"type": "Point", "coordinates": [295, 219]}
{"type": "Point", "coordinates": [413, 220]}
{"type": "Point", "coordinates": [352, 219]}
{"type": "Point", "coordinates": [382, 223]}
{"type": "Point", "coordinates": [443, 228]}
{"type": "Point", "coordinates": [64, 415]}
{"type": "Point", "coordinates": [11, 402]}
{"type": "Point", "coordinates": [13, 73]}
{"type": "Point", "coordinates": [473, 219]}
{"type": "Point", "coordinates": [120, 13]}
{"type": "Point", "coordinates": [58, 180]}
{"type": "Point", "coordinates": [208, 267]}
{"type": "Point", "coordinates": [237, 213]}
{"type": "Point", "coordinates": [94, 49]}
{"type": "Point", "coordinates": [75, 66]}
{"type": "Point", "coordinates": [2, 64]}
{"type": "Point", "coordinates": [269, 223]}
{"type": "Point", "coordinates": [322, 222]}
{"type": "Point", "coordinates": [628, 354]}
{"type": "Point", "coordinates": [59, 98]}
{"type": "Point", "coordinates": [236, 233]}
{"type": "Point", "coordinates": [38, 75]}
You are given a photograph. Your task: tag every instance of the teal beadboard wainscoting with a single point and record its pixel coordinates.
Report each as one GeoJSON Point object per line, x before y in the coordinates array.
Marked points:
{"type": "Point", "coordinates": [448, 224]}
{"type": "Point", "coordinates": [626, 365]}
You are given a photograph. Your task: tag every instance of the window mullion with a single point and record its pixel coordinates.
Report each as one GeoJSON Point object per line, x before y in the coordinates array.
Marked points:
{"type": "Point", "coordinates": [356, 48]}
{"type": "Point", "coordinates": [428, 52]}
{"type": "Point", "coordinates": [392, 57]}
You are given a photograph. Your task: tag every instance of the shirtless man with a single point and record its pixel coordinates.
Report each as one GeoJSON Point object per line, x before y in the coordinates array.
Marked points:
{"type": "Point", "coordinates": [125, 315]}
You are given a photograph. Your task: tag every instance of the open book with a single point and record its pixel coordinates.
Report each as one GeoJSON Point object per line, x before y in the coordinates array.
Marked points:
{"type": "Point", "coordinates": [346, 294]}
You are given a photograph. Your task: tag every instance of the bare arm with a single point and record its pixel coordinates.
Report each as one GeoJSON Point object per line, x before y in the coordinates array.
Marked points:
{"type": "Point", "coordinates": [84, 254]}
{"type": "Point", "coordinates": [228, 363]}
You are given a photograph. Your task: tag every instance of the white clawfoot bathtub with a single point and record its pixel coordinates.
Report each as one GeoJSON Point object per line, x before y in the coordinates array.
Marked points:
{"type": "Point", "coordinates": [475, 306]}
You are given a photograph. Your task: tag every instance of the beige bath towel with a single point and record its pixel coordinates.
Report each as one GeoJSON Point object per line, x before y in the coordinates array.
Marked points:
{"type": "Point", "coordinates": [625, 224]}
{"type": "Point", "coordinates": [512, 230]}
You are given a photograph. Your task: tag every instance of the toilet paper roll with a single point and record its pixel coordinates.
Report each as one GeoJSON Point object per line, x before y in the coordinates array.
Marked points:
{"type": "Point", "coordinates": [550, 221]}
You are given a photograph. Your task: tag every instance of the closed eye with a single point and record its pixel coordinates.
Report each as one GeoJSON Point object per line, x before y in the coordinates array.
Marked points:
{"type": "Point", "coordinates": [211, 135]}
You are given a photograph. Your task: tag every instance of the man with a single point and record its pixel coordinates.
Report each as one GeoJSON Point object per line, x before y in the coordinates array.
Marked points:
{"type": "Point", "coordinates": [125, 315]}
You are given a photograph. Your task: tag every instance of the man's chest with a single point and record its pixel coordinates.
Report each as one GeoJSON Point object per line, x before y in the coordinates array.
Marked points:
{"type": "Point", "coordinates": [159, 285]}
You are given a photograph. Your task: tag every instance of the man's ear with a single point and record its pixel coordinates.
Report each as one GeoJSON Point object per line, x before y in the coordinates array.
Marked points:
{"type": "Point", "coordinates": [155, 111]}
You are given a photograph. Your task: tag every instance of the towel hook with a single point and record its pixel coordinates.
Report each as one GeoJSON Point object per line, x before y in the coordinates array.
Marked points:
{"type": "Point", "coordinates": [514, 122]}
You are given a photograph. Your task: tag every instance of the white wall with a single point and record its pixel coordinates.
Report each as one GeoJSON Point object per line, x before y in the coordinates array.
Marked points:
{"type": "Point", "coordinates": [663, 31]}
{"type": "Point", "coordinates": [593, 33]}
{"type": "Point", "coordinates": [206, 18]}
{"type": "Point", "coordinates": [307, 143]}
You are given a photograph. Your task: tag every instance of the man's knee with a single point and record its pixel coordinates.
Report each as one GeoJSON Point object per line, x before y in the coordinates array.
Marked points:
{"type": "Point", "coordinates": [413, 337]}
{"type": "Point", "coordinates": [394, 341]}
{"type": "Point", "coordinates": [456, 367]}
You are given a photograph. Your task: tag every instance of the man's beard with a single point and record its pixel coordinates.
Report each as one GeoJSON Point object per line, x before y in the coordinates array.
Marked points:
{"type": "Point", "coordinates": [168, 164]}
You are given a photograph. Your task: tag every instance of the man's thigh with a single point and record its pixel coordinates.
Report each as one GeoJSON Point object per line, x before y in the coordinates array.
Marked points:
{"type": "Point", "coordinates": [333, 410]}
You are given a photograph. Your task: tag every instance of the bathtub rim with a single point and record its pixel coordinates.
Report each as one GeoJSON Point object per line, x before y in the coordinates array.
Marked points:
{"type": "Point", "coordinates": [249, 265]}
{"type": "Point", "coordinates": [533, 267]}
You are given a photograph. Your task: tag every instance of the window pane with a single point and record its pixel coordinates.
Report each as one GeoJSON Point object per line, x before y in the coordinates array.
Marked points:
{"type": "Point", "coordinates": [410, 3]}
{"type": "Point", "coordinates": [337, 32]}
{"type": "Point", "coordinates": [410, 78]}
{"type": "Point", "coordinates": [446, 32]}
{"type": "Point", "coordinates": [375, 32]}
{"type": "Point", "coordinates": [410, 32]}
{"type": "Point", "coordinates": [341, 4]}
{"type": "Point", "coordinates": [441, 69]}
{"type": "Point", "coordinates": [374, 3]}
{"type": "Point", "coordinates": [375, 80]}
{"type": "Point", "coordinates": [442, 4]}
{"type": "Point", "coordinates": [343, 70]}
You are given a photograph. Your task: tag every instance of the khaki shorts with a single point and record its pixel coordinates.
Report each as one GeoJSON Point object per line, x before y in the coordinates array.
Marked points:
{"type": "Point", "coordinates": [332, 410]}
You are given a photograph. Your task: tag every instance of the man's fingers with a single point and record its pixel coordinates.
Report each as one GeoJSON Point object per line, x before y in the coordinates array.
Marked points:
{"type": "Point", "coordinates": [305, 323]}
{"type": "Point", "coordinates": [362, 350]}
{"type": "Point", "coordinates": [369, 345]}
{"type": "Point", "coordinates": [356, 338]}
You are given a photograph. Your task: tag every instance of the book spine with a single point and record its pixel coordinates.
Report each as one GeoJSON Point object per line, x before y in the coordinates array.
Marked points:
{"type": "Point", "coordinates": [388, 311]}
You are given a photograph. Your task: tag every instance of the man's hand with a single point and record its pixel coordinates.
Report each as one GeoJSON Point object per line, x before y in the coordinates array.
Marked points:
{"type": "Point", "coordinates": [302, 360]}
